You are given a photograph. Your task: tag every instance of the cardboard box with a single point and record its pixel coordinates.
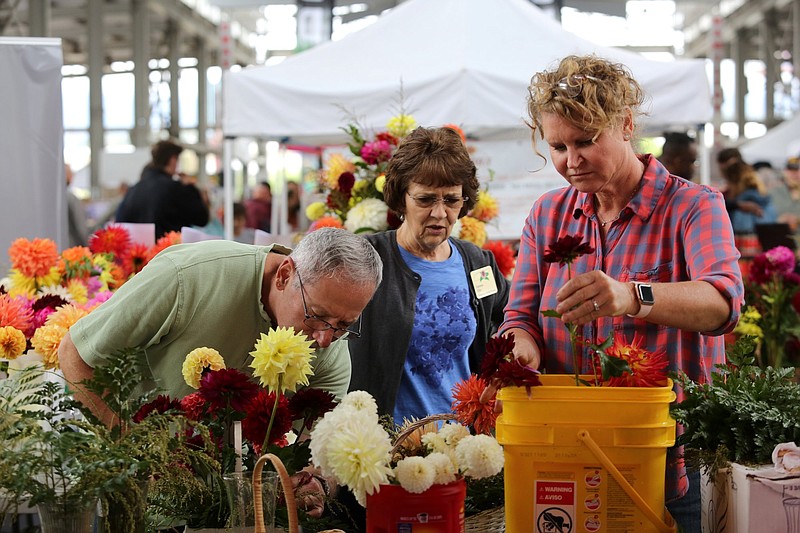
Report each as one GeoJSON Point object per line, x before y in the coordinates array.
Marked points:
{"type": "Point", "coordinates": [751, 500]}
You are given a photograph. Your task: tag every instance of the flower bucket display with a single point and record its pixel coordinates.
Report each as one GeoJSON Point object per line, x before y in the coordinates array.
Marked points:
{"type": "Point", "coordinates": [585, 458]}
{"type": "Point", "coordinates": [440, 509]}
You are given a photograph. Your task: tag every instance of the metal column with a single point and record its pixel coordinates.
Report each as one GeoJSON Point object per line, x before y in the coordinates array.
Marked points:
{"type": "Point", "coordinates": [202, 103]}
{"type": "Point", "coordinates": [39, 18]}
{"type": "Point", "coordinates": [739, 54]}
{"type": "Point", "coordinates": [174, 73]}
{"type": "Point", "coordinates": [96, 33]}
{"type": "Point", "coordinates": [141, 71]}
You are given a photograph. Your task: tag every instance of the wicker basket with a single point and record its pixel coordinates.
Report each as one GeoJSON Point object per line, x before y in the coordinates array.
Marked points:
{"type": "Point", "coordinates": [489, 521]}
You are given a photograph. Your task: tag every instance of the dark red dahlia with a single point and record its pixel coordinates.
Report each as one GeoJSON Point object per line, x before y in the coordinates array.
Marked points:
{"type": "Point", "coordinates": [161, 404]}
{"type": "Point", "coordinates": [496, 351]}
{"type": "Point", "coordinates": [254, 426]}
{"type": "Point", "coordinates": [227, 387]}
{"type": "Point", "coordinates": [346, 182]}
{"type": "Point", "coordinates": [311, 404]}
{"type": "Point", "coordinates": [566, 249]}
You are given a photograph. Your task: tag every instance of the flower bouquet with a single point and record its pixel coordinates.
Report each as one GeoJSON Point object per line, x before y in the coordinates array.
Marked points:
{"type": "Point", "coordinates": [352, 445]}
{"type": "Point", "coordinates": [46, 292]}
{"type": "Point", "coordinates": [354, 190]}
{"type": "Point", "coordinates": [773, 303]}
{"type": "Point", "coordinates": [242, 420]}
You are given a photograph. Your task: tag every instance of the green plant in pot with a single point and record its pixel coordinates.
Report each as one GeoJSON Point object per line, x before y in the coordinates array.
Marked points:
{"type": "Point", "coordinates": [741, 415]}
{"type": "Point", "coordinates": [54, 456]}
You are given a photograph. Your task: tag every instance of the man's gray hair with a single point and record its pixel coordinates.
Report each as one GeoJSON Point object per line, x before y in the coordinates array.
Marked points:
{"type": "Point", "coordinates": [332, 252]}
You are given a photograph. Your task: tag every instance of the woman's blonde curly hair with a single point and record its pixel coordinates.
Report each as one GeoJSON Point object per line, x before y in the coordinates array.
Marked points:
{"type": "Point", "coordinates": [590, 92]}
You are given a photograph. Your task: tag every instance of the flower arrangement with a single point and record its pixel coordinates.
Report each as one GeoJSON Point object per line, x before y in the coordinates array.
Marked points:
{"type": "Point", "coordinates": [242, 419]}
{"type": "Point", "coordinates": [773, 306]}
{"type": "Point", "coordinates": [46, 292]}
{"type": "Point", "coordinates": [354, 190]}
{"type": "Point", "coordinates": [351, 445]}
{"type": "Point", "coordinates": [616, 362]}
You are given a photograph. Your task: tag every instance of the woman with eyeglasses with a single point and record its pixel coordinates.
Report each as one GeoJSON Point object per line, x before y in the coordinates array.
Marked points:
{"type": "Point", "coordinates": [441, 298]}
{"type": "Point", "coordinates": [663, 266]}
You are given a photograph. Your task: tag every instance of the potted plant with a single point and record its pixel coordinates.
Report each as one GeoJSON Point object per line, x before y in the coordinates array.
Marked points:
{"type": "Point", "coordinates": [54, 457]}
{"type": "Point", "coordinates": [738, 419]}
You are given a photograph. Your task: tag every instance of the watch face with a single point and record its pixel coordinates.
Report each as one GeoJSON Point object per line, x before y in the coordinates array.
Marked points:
{"type": "Point", "coordinates": [646, 294]}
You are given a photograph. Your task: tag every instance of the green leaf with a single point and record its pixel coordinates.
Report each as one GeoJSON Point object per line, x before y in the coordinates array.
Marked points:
{"type": "Point", "coordinates": [551, 313]}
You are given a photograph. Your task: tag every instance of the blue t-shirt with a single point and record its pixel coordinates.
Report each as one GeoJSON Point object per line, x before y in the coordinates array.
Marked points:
{"type": "Point", "coordinates": [444, 328]}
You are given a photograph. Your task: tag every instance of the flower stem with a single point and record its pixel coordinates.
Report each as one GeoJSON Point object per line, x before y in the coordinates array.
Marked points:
{"type": "Point", "coordinates": [272, 416]}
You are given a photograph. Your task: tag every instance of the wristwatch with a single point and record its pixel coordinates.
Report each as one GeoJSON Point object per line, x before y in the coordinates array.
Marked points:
{"type": "Point", "coordinates": [644, 293]}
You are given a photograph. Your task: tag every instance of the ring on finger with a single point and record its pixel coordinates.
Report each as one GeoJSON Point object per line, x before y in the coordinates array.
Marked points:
{"type": "Point", "coordinates": [596, 305]}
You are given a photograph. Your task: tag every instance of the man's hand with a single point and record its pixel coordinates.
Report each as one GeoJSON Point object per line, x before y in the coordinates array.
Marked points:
{"type": "Point", "coordinates": [310, 493]}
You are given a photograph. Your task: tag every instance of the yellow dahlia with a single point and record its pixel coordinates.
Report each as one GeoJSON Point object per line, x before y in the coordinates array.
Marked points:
{"type": "Point", "coordinates": [282, 359]}
{"type": "Point", "coordinates": [46, 341]}
{"type": "Point", "coordinates": [78, 290]}
{"type": "Point", "coordinates": [485, 207]}
{"type": "Point", "coordinates": [401, 125]}
{"type": "Point", "coordinates": [33, 258]}
{"type": "Point", "coordinates": [66, 315]}
{"type": "Point", "coordinates": [748, 324]}
{"type": "Point", "coordinates": [336, 165]}
{"type": "Point", "coordinates": [473, 230]}
{"type": "Point", "coordinates": [315, 211]}
{"type": "Point", "coordinates": [198, 360]}
{"type": "Point", "coordinates": [12, 342]}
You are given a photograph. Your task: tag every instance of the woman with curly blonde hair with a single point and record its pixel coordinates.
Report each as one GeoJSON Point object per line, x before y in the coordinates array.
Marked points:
{"type": "Point", "coordinates": [661, 264]}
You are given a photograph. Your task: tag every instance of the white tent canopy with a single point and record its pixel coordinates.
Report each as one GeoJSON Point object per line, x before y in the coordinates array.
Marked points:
{"type": "Point", "coordinates": [779, 144]}
{"type": "Point", "coordinates": [466, 62]}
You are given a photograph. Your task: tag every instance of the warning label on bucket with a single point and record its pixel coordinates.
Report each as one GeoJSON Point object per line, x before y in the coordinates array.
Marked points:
{"type": "Point", "coordinates": [554, 508]}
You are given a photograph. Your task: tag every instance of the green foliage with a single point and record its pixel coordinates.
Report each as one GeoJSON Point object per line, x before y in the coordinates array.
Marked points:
{"type": "Point", "coordinates": [745, 411]}
{"type": "Point", "coordinates": [50, 452]}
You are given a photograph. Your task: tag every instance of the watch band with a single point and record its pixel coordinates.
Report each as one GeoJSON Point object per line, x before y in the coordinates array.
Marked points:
{"type": "Point", "coordinates": [644, 308]}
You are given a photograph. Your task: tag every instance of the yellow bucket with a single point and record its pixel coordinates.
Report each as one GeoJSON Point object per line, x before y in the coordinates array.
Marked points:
{"type": "Point", "coordinates": [585, 459]}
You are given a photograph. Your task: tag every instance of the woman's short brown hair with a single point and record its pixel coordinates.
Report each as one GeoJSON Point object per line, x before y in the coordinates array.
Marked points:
{"type": "Point", "coordinates": [434, 157]}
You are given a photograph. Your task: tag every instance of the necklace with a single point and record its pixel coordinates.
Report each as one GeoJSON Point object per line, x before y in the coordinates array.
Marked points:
{"type": "Point", "coordinates": [604, 223]}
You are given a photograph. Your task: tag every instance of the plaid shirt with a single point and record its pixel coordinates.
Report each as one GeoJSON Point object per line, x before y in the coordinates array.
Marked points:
{"type": "Point", "coordinates": [672, 230]}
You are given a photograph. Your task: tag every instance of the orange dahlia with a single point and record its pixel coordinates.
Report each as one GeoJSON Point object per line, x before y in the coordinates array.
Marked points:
{"type": "Point", "coordinates": [136, 259]}
{"type": "Point", "coordinates": [46, 341]}
{"type": "Point", "coordinates": [468, 407]}
{"type": "Point", "coordinates": [326, 222]}
{"type": "Point", "coordinates": [647, 369]}
{"type": "Point", "coordinates": [77, 262]}
{"type": "Point", "coordinates": [33, 259]}
{"type": "Point", "coordinates": [65, 316]}
{"type": "Point", "coordinates": [173, 237]}
{"type": "Point", "coordinates": [15, 312]}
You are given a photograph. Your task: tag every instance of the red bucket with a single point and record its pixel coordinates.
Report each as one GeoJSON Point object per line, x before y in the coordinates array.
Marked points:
{"type": "Point", "coordinates": [440, 509]}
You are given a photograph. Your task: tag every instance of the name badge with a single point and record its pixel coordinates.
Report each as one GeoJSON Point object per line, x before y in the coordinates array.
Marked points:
{"type": "Point", "coordinates": [483, 281]}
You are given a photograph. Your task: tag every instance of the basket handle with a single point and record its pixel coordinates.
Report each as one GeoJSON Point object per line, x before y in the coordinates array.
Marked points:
{"type": "Point", "coordinates": [586, 439]}
{"type": "Point", "coordinates": [415, 426]}
{"type": "Point", "coordinates": [288, 493]}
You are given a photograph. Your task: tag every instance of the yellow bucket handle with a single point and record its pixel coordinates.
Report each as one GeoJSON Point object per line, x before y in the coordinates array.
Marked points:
{"type": "Point", "coordinates": [585, 438]}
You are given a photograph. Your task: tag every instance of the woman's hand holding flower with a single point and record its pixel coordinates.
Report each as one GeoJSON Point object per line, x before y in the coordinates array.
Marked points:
{"type": "Point", "coordinates": [578, 296]}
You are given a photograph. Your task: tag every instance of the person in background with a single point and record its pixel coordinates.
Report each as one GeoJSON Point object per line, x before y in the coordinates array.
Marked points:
{"type": "Point", "coordinates": [160, 199]}
{"type": "Point", "coordinates": [663, 265]}
{"type": "Point", "coordinates": [241, 233]}
{"type": "Point", "coordinates": [725, 158]}
{"type": "Point", "coordinates": [745, 185]}
{"type": "Point", "coordinates": [259, 207]}
{"type": "Point", "coordinates": [293, 205]}
{"type": "Point", "coordinates": [679, 154]}
{"type": "Point", "coordinates": [728, 156]}
{"type": "Point", "coordinates": [224, 295]}
{"type": "Point", "coordinates": [441, 298]}
{"type": "Point", "coordinates": [76, 214]}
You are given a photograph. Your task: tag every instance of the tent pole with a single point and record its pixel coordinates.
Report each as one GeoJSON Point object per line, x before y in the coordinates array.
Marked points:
{"type": "Point", "coordinates": [227, 187]}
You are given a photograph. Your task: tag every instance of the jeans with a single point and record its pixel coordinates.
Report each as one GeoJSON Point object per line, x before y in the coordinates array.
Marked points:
{"type": "Point", "coordinates": [686, 510]}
